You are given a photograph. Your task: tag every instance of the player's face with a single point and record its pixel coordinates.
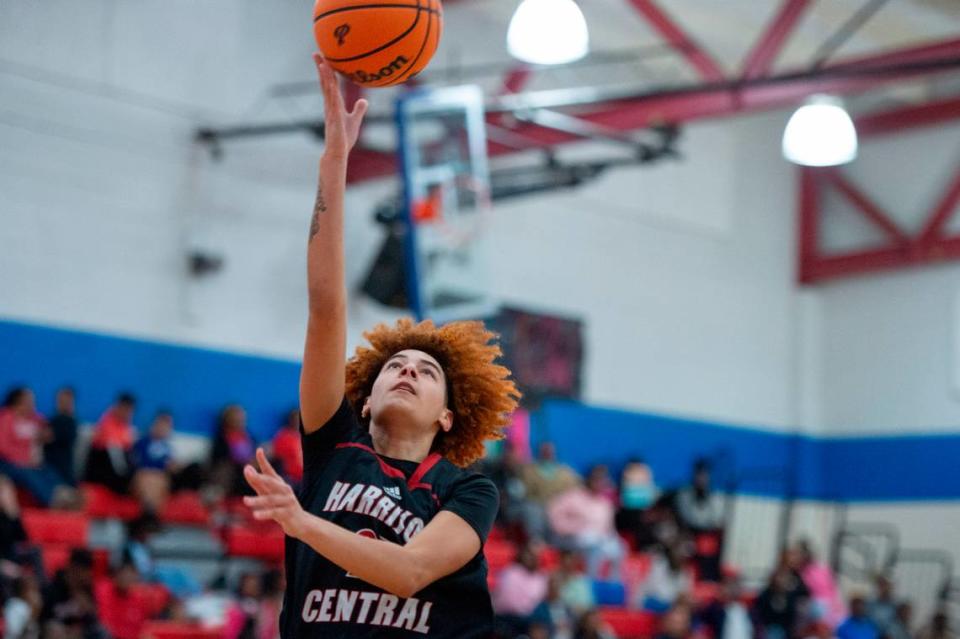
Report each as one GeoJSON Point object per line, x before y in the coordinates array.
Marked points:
{"type": "Point", "coordinates": [413, 387]}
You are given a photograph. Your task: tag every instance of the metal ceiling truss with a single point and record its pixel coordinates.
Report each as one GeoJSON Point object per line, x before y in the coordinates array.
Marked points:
{"type": "Point", "coordinates": [523, 121]}
{"type": "Point", "coordinates": [900, 249]}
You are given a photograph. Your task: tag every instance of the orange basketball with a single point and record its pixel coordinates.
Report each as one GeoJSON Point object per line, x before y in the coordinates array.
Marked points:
{"type": "Point", "coordinates": [378, 43]}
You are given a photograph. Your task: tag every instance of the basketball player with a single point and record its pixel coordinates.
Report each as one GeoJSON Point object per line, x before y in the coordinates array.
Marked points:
{"type": "Point", "coordinates": [385, 536]}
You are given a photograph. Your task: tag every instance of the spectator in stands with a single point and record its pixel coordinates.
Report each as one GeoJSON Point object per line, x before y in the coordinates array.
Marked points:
{"type": "Point", "coordinates": [69, 608]}
{"type": "Point", "coordinates": [21, 613]}
{"type": "Point", "coordinates": [287, 450]}
{"type": "Point", "coordinates": [576, 588]}
{"type": "Point", "coordinates": [727, 617]}
{"type": "Point", "coordinates": [667, 581]}
{"type": "Point", "coordinates": [23, 432]}
{"type": "Point", "coordinates": [777, 608]}
{"type": "Point", "coordinates": [902, 625]}
{"type": "Point", "coordinates": [232, 448]}
{"type": "Point", "coordinates": [591, 625]}
{"type": "Point", "coordinates": [553, 618]}
{"type": "Point", "coordinates": [818, 578]}
{"type": "Point", "coordinates": [528, 518]}
{"type": "Point", "coordinates": [882, 609]}
{"type": "Point", "coordinates": [122, 608]}
{"type": "Point", "coordinates": [60, 449]}
{"type": "Point", "coordinates": [244, 616]}
{"type": "Point", "coordinates": [701, 512]}
{"type": "Point", "coordinates": [109, 460]}
{"type": "Point", "coordinates": [599, 476]}
{"type": "Point", "coordinates": [137, 552]}
{"type": "Point", "coordinates": [662, 520]}
{"type": "Point", "coordinates": [152, 458]}
{"type": "Point", "coordinates": [582, 518]}
{"type": "Point", "coordinates": [520, 588]}
{"type": "Point", "coordinates": [637, 495]}
{"type": "Point", "coordinates": [858, 624]}
{"type": "Point", "coordinates": [546, 478]}
{"type": "Point", "coordinates": [272, 586]}
{"type": "Point", "coordinates": [11, 528]}
{"type": "Point", "coordinates": [676, 622]}
{"type": "Point", "coordinates": [939, 628]}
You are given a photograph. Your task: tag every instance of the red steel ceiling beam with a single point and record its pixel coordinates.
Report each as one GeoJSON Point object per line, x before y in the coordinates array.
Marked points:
{"type": "Point", "coordinates": [516, 79]}
{"type": "Point", "coordinates": [911, 117]}
{"type": "Point", "coordinates": [705, 65]}
{"type": "Point", "coordinates": [908, 55]}
{"type": "Point", "coordinates": [762, 56]}
{"type": "Point", "coordinates": [929, 246]}
{"type": "Point", "coordinates": [941, 214]}
{"type": "Point", "coordinates": [865, 206]}
{"type": "Point", "coordinates": [808, 224]}
{"type": "Point", "coordinates": [725, 99]}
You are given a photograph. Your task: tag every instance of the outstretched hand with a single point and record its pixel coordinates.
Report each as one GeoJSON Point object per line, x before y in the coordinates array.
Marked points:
{"type": "Point", "coordinates": [275, 498]}
{"type": "Point", "coordinates": [341, 128]}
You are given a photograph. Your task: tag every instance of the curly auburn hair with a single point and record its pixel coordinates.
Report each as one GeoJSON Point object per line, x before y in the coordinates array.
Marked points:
{"type": "Point", "coordinates": [479, 391]}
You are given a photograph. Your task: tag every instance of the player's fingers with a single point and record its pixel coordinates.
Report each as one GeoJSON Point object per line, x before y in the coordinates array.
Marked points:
{"type": "Point", "coordinates": [328, 84]}
{"type": "Point", "coordinates": [264, 501]}
{"type": "Point", "coordinates": [265, 465]}
{"type": "Point", "coordinates": [267, 485]}
{"type": "Point", "coordinates": [255, 479]}
{"type": "Point", "coordinates": [359, 108]}
{"type": "Point", "coordinates": [268, 513]}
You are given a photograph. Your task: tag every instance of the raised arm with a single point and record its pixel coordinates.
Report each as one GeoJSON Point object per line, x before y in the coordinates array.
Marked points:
{"type": "Point", "coordinates": [324, 352]}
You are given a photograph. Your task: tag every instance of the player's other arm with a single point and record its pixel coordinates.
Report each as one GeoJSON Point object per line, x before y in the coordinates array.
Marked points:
{"type": "Point", "coordinates": [324, 352]}
{"type": "Point", "coordinates": [444, 546]}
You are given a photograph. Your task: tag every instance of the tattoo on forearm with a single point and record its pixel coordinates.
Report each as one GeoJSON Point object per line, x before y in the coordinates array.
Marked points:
{"type": "Point", "coordinates": [319, 207]}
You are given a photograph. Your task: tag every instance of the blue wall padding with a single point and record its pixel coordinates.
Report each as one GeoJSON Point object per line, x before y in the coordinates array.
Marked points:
{"type": "Point", "coordinates": [193, 382]}
{"type": "Point", "coordinates": [875, 468]}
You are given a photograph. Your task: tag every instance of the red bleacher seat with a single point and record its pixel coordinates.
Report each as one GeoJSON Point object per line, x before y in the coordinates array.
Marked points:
{"type": "Point", "coordinates": [260, 542]}
{"type": "Point", "coordinates": [497, 533]}
{"type": "Point", "coordinates": [56, 527]}
{"type": "Point", "coordinates": [185, 508]}
{"type": "Point", "coordinates": [101, 562]}
{"type": "Point", "coordinates": [630, 624]}
{"type": "Point", "coordinates": [705, 592]}
{"type": "Point", "coordinates": [26, 500]}
{"type": "Point", "coordinates": [102, 503]}
{"type": "Point", "coordinates": [549, 558]}
{"type": "Point", "coordinates": [55, 557]}
{"type": "Point", "coordinates": [499, 554]}
{"type": "Point", "coordinates": [155, 596]}
{"type": "Point", "coordinates": [173, 630]}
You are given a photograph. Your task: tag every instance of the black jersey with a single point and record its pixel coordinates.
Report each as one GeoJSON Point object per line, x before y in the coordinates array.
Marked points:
{"type": "Point", "coordinates": [346, 482]}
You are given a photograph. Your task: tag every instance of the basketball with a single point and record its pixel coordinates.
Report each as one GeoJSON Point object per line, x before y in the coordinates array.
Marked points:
{"type": "Point", "coordinates": [378, 43]}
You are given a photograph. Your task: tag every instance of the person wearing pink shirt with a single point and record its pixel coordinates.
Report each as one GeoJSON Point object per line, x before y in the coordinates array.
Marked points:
{"type": "Point", "coordinates": [521, 587]}
{"type": "Point", "coordinates": [23, 431]}
{"type": "Point", "coordinates": [828, 603]}
{"type": "Point", "coordinates": [583, 517]}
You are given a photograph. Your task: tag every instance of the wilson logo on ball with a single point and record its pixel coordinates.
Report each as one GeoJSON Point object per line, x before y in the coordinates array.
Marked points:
{"type": "Point", "coordinates": [365, 77]}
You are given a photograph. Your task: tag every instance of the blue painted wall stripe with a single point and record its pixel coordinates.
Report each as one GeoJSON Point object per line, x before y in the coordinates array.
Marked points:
{"type": "Point", "coordinates": [195, 383]}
